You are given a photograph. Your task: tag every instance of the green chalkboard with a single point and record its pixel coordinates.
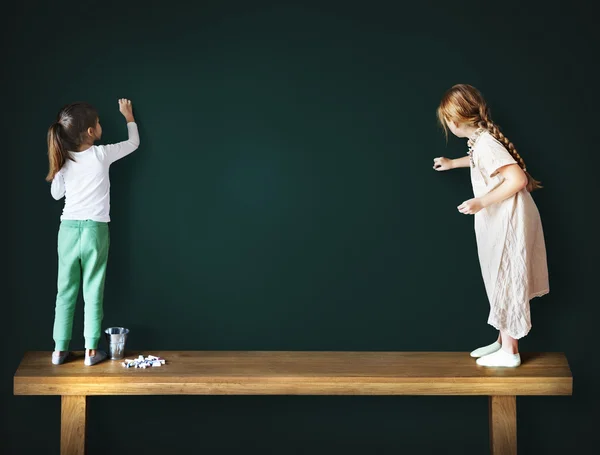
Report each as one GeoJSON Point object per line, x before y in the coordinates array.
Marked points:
{"type": "Point", "coordinates": [283, 198]}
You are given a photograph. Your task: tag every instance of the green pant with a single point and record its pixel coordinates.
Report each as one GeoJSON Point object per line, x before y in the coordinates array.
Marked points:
{"type": "Point", "coordinates": [82, 253]}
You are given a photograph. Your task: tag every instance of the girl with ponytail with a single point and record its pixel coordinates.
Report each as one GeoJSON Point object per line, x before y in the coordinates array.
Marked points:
{"type": "Point", "coordinates": [508, 228]}
{"type": "Point", "coordinates": [79, 172]}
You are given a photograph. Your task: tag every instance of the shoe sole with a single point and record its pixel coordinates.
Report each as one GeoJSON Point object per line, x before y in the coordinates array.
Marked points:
{"type": "Point", "coordinates": [483, 355]}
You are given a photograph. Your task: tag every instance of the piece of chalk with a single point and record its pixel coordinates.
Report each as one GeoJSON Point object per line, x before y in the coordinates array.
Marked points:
{"type": "Point", "coordinates": [144, 362]}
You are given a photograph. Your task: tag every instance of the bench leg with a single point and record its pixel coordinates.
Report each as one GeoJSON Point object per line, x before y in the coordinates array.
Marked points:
{"type": "Point", "coordinates": [503, 425]}
{"type": "Point", "coordinates": [73, 416]}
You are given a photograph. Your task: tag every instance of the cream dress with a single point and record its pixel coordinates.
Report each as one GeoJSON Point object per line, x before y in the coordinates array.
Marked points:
{"type": "Point", "coordinates": [510, 242]}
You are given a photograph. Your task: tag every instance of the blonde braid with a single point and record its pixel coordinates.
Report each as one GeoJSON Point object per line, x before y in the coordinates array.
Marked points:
{"type": "Point", "coordinates": [487, 123]}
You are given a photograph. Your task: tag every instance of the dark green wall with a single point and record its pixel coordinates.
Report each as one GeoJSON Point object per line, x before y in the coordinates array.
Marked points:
{"type": "Point", "coordinates": [283, 199]}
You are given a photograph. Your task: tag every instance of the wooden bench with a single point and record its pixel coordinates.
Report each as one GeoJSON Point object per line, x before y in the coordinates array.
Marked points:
{"type": "Point", "coordinates": [296, 373]}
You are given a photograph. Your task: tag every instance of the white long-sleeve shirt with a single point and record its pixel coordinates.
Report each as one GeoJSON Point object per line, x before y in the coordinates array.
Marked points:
{"type": "Point", "coordinates": [85, 183]}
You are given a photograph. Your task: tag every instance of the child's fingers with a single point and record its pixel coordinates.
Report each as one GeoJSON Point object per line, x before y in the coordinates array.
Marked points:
{"type": "Point", "coordinates": [464, 208]}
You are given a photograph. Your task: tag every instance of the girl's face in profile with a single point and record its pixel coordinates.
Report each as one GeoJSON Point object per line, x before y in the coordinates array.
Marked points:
{"type": "Point", "coordinates": [456, 129]}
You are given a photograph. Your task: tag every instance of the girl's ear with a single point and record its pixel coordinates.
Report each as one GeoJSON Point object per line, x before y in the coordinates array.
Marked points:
{"type": "Point", "coordinates": [91, 132]}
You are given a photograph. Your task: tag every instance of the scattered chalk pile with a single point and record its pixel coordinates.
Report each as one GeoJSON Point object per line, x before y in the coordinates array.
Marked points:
{"type": "Point", "coordinates": [141, 362]}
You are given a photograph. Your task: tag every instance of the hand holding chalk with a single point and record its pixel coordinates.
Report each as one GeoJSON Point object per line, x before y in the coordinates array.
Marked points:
{"type": "Point", "coordinates": [442, 164]}
{"type": "Point", "coordinates": [126, 109]}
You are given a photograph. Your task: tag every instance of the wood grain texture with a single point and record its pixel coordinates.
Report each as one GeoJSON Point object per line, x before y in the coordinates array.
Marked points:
{"type": "Point", "coordinates": [296, 373]}
{"type": "Point", "coordinates": [73, 416]}
{"type": "Point", "coordinates": [503, 425]}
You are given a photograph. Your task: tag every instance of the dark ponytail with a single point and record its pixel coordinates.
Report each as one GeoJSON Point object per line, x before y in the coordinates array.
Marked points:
{"type": "Point", "coordinates": [68, 133]}
{"type": "Point", "coordinates": [57, 155]}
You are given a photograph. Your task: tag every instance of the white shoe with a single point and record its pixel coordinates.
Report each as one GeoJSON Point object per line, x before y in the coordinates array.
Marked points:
{"type": "Point", "coordinates": [59, 359]}
{"type": "Point", "coordinates": [500, 358]}
{"type": "Point", "coordinates": [94, 359]}
{"type": "Point", "coordinates": [486, 350]}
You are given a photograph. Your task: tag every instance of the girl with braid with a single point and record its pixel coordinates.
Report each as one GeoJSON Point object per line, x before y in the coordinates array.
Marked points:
{"type": "Point", "coordinates": [508, 229]}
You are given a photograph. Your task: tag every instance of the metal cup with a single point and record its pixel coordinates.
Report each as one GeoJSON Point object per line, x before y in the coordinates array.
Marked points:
{"type": "Point", "coordinates": [115, 338]}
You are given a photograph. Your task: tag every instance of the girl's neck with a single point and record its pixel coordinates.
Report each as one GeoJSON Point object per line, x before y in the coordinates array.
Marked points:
{"type": "Point", "coordinates": [85, 146]}
{"type": "Point", "coordinates": [470, 131]}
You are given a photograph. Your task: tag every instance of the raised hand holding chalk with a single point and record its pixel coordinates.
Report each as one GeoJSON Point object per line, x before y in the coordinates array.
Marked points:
{"type": "Point", "coordinates": [126, 109]}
